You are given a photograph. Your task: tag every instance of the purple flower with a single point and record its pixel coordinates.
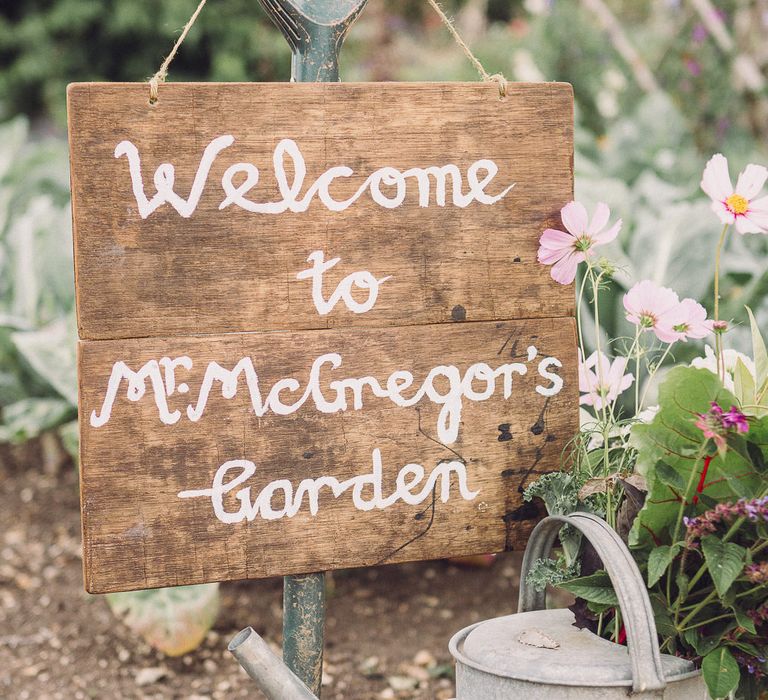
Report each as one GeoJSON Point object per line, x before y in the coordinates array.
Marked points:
{"type": "Point", "coordinates": [693, 66]}
{"type": "Point", "coordinates": [757, 573]}
{"type": "Point", "coordinates": [699, 33]}
{"type": "Point", "coordinates": [735, 419]}
{"type": "Point", "coordinates": [707, 523]}
{"type": "Point", "coordinates": [716, 423]}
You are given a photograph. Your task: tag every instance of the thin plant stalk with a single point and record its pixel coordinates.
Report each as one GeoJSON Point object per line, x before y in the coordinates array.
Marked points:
{"type": "Point", "coordinates": [718, 336]}
{"type": "Point", "coordinates": [579, 301]}
{"type": "Point", "coordinates": [651, 375]}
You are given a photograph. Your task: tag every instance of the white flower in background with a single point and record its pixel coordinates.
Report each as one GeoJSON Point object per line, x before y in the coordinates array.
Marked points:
{"type": "Point", "coordinates": [648, 414]}
{"type": "Point", "coordinates": [709, 361]}
{"type": "Point", "coordinates": [737, 205]}
{"type": "Point", "coordinates": [590, 425]}
{"type": "Point", "coordinates": [602, 380]}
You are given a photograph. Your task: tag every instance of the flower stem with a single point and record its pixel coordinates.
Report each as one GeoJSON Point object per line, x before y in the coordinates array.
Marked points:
{"type": "Point", "coordinates": [579, 329]}
{"type": "Point", "coordinates": [751, 591]}
{"type": "Point", "coordinates": [718, 336]}
{"type": "Point", "coordinates": [712, 595]}
{"type": "Point", "coordinates": [678, 522]}
{"type": "Point", "coordinates": [652, 374]}
{"type": "Point", "coordinates": [603, 397]}
{"type": "Point", "coordinates": [706, 622]}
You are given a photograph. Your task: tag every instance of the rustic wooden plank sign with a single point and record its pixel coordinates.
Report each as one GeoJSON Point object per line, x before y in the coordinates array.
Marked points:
{"type": "Point", "coordinates": [313, 330]}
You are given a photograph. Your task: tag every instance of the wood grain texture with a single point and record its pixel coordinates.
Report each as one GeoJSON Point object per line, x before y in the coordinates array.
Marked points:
{"type": "Point", "coordinates": [219, 286]}
{"type": "Point", "coordinates": [139, 534]}
{"type": "Point", "coordinates": [232, 270]}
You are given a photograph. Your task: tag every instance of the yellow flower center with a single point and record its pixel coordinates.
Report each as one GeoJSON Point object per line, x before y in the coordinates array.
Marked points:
{"type": "Point", "coordinates": [737, 204]}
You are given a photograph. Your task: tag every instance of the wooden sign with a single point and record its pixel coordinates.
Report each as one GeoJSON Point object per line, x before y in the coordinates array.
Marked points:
{"type": "Point", "coordinates": [314, 333]}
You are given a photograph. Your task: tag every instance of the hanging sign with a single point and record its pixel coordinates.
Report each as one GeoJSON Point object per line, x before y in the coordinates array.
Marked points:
{"type": "Point", "coordinates": [313, 331]}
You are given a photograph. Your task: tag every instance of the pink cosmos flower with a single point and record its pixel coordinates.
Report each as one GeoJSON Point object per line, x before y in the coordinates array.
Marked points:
{"type": "Point", "coordinates": [737, 206]}
{"type": "Point", "coordinates": [687, 320]}
{"type": "Point", "coordinates": [653, 308]}
{"type": "Point", "coordinates": [602, 393]}
{"type": "Point", "coordinates": [564, 250]}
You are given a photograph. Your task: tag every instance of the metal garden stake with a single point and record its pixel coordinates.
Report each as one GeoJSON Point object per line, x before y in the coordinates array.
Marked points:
{"type": "Point", "coordinates": [315, 31]}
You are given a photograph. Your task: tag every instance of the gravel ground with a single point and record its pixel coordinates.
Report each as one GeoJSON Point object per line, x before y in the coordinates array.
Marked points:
{"type": "Point", "coordinates": [387, 629]}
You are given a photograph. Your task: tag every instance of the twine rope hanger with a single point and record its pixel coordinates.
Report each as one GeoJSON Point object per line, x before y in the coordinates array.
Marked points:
{"type": "Point", "coordinates": [474, 60]}
{"type": "Point", "coordinates": [162, 72]}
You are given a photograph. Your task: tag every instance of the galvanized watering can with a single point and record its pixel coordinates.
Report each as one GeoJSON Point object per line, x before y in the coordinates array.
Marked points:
{"type": "Point", "coordinates": [538, 653]}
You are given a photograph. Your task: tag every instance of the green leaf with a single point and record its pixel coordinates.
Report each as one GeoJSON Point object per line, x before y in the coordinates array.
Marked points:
{"type": "Point", "coordinates": [757, 457]}
{"type": "Point", "coordinates": [173, 620]}
{"type": "Point", "coordinates": [701, 645]}
{"type": "Point", "coordinates": [669, 476]}
{"type": "Point", "coordinates": [70, 439]}
{"type": "Point", "coordinates": [598, 608]}
{"type": "Point", "coordinates": [662, 616]}
{"type": "Point", "coordinates": [725, 561]}
{"type": "Point", "coordinates": [596, 588]}
{"type": "Point", "coordinates": [659, 560]}
{"type": "Point", "coordinates": [27, 418]}
{"type": "Point", "coordinates": [744, 384]}
{"type": "Point", "coordinates": [683, 582]}
{"type": "Point", "coordinates": [759, 352]}
{"type": "Point", "coordinates": [50, 352]}
{"type": "Point", "coordinates": [708, 501]}
{"type": "Point", "coordinates": [721, 672]}
{"type": "Point", "coordinates": [744, 620]}
{"type": "Point", "coordinates": [673, 440]}
{"type": "Point", "coordinates": [551, 572]}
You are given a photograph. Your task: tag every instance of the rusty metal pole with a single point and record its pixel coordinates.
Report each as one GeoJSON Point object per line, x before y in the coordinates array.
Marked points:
{"type": "Point", "coordinates": [303, 627]}
{"type": "Point", "coordinates": [315, 31]}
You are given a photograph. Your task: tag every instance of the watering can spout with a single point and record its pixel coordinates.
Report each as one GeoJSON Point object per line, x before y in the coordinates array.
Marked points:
{"type": "Point", "coordinates": [273, 677]}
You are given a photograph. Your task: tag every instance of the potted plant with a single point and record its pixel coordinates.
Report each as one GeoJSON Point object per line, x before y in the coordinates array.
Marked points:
{"type": "Point", "coordinates": [683, 482]}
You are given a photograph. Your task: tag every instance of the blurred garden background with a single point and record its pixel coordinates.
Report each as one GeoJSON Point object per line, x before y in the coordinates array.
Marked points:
{"type": "Point", "coordinates": [659, 85]}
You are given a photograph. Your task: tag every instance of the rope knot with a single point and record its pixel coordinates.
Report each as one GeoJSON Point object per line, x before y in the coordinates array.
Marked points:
{"type": "Point", "coordinates": [502, 82]}
{"type": "Point", "coordinates": [154, 85]}
{"type": "Point", "coordinates": [162, 73]}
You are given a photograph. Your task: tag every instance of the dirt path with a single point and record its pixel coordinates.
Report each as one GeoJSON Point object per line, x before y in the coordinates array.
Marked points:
{"type": "Point", "coordinates": [387, 629]}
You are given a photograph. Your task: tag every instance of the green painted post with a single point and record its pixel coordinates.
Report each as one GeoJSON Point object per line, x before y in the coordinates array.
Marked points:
{"type": "Point", "coordinates": [303, 627]}
{"type": "Point", "coordinates": [315, 31]}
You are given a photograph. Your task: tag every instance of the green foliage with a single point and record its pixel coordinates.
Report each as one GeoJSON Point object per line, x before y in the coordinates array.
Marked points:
{"type": "Point", "coordinates": [558, 490]}
{"type": "Point", "coordinates": [670, 453]}
{"type": "Point", "coordinates": [596, 588]}
{"type": "Point", "coordinates": [659, 561]}
{"type": "Point", "coordinates": [752, 391]}
{"type": "Point", "coordinates": [173, 620]}
{"type": "Point", "coordinates": [38, 375]}
{"type": "Point", "coordinates": [551, 572]}
{"type": "Point", "coordinates": [560, 493]}
{"type": "Point", "coordinates": [725, 561]}
{"type": "Point", "coordinates": [38, 385]}
{"type": "Point", "coordinates": [700, 536]}
{"type": "Point", "coordinates": [46, 45]}
{"type": "Point", "coordinates": [721, 672]}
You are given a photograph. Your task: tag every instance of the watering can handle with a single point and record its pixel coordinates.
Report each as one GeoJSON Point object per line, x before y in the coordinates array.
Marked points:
{"type": "Point", "coordinates": [635, 605]}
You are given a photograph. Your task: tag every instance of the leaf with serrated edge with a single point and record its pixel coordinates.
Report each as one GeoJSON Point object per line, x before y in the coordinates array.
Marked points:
{"type": "Point", "coordinates": [744, 620]}
{"type": "Point", "coordinates": [596, 588]}
{"type": "Point", "coordinates": [721, 672]}
{"type": "Point", "coordinates": [658, 561]}
{"type": "Point", "coordinates": [725, 561]}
